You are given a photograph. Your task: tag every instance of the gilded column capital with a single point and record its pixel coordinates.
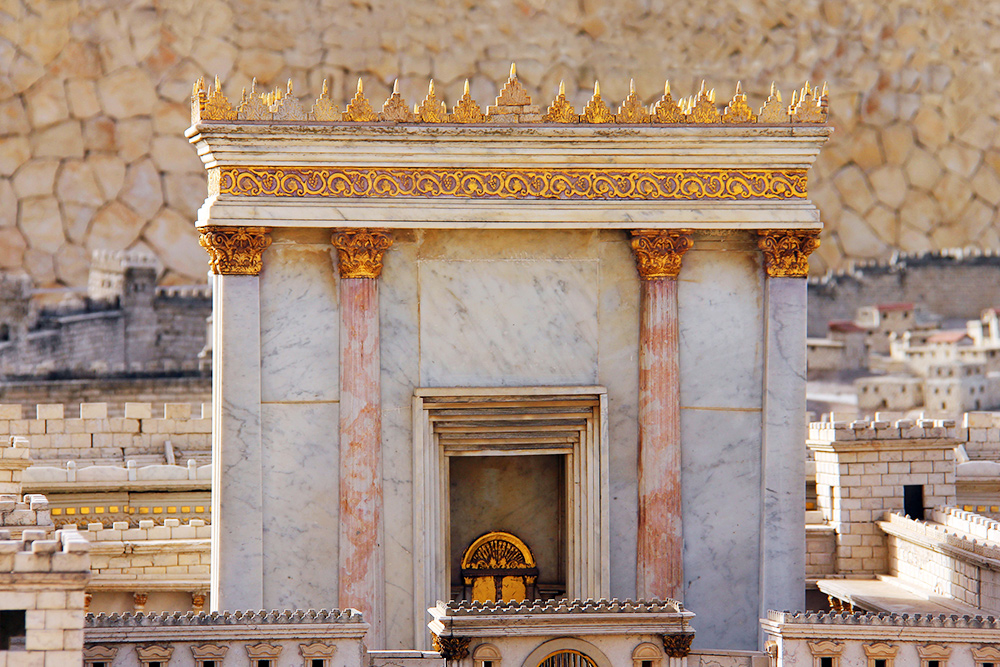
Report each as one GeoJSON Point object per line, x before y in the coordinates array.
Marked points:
{"type": "Point", "coordinates": [235, 251]}
{"type": "Point", "coordinates": [786, 251]}
{"type": "Point", "coordinates": [451, 648]}
{"type": "Point", "coordinates": [677, 646]}
{"type": "Point", "coordinates": [658, 252]}
{"type": "Point", "coordinates": [360, 251]}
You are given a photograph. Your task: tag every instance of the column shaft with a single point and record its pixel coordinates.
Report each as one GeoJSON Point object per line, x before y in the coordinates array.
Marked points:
{"type": "Point", "coordinates": [660, 569]}
{"type": "Point", "coordinates": [362, 568]}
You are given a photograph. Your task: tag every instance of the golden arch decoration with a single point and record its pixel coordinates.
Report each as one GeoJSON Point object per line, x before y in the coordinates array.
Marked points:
{"type": "Point", "coordinates": [567, 658]}
{"type": "Point", "coordinates": [499, 566]}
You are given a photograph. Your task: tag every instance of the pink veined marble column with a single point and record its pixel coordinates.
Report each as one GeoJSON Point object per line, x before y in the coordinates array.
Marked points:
{"type": "Point", "coordinates": [660, 564]}
{"type": "Point", "coordinates": [362, 559]}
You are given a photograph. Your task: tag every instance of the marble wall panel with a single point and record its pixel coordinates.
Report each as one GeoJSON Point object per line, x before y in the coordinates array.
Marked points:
{"type": "Point", "coordinates": [720, 312]}
{"type": "Point", "coordinates": [721, 505]}
{"type": "Point", "coordinates": [619, 372]}
{"type": "Point", "coordinates": [300, 456]}
{"type": "Point", "coordinates": [300, 332]}
{"type": "Point", "coordinates": [398, 310]}
{"type": "Point", "coordinates": [237, 547]}
{"type": "Point", "coordinates": [508, 323]}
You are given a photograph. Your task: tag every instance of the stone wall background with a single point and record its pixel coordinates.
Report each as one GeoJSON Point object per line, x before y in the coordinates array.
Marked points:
{"type": "Point", "coordinates": [94, 100]}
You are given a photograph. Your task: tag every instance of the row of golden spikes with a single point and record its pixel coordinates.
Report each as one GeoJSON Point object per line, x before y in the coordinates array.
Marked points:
{"type": "Point", "coordinates": [513, 105]}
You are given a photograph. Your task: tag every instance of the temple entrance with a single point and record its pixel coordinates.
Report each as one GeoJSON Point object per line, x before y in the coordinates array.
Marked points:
{"type": "Point", "coordinates": [522, 499]}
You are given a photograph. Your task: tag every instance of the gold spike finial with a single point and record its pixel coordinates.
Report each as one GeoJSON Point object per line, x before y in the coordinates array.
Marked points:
{"type": "Point", "coordinates": [631, 85]}
{"type": "Point", "coordinates": [465, 90]}
{"type": "Point", "coordinates": [326, 90]}
{"type": "Point", "coordinates": [597, 87]}
{"type": "Point", "coordinates": [596, 110]}
{"type": "Point", "coordinates": [561, 111]}
{"type": "Point", "coordinates": [395, 86]}
{"type": "Point", "coordinates": [430, 88]}
{"type": "Point", "coordinates": [711, 96]}
{"type": "Point", "coordinates": [666, 87]}
{"type": "Point", "coordinates": [289, 87]}
{"type": "Point", "coordinates": [359, 110]}
{"type": "Point", "coordinates": [218, 86]}
{"type": "Point", "coordinates": [513, 71]}
{"type": "Point", "coordinates": [562, 87]}
{"type": "Point", "coordinates": [739, 87]}
{"type": "Point", "coordinates": [361, 86]}
{"type": "Point", "coordinates": [774, 88]}
{"type": "Point", "coordinates": [825, 90]}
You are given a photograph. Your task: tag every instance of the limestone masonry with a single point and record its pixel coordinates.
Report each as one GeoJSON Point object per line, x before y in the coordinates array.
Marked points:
{"type": "Point", "coordinates": [93, 102]}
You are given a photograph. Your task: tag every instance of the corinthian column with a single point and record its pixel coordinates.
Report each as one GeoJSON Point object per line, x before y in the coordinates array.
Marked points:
{"type": "Point", "coordinates": [362, 560]}
{"type": "Point", "coordinates": [660, 566]}
{"type": "Point", "coordinates": [237, 478]}
{"type": "Point", "coordinates": [783, 539]}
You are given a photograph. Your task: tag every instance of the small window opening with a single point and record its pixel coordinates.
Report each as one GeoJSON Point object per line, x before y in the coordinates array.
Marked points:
{"type": "Point", "coordinates": [647, 663]}
{"type": "Point", "coordinates": [98, 664]}
{"type": "Point", "coordinates": [263, 663]}
{"type": "Point", "coordinates": [933, 663]}
{"type": "Point", "coordinates": [12, 632]}
{"type": "Point", "coordinates": [489, 663]}
{"type": "Point", "coordinates": [826, 662]}
{"type": "Point", "coordinates": [208, 663]}
{"type": "Point", "coordinates": [913, 507]}
{"type": "Point", "coordinates": [881, 662]}
{"type": "Point", "coordinates": [154, 664]}
{"type": "Point", "coordinates": [318, 662]}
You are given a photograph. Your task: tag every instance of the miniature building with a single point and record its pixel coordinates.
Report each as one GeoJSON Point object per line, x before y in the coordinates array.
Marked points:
{"type": "Point", "coordinates": [607, 308]}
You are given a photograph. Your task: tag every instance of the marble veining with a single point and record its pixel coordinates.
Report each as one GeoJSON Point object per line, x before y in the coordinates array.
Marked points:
{"type": "Point", "coordinates": [300, 510]}
{"type": "Point", "coordinates": [300, 341]}
{"type": "Point", "coordinates": [721, 501]}
{"type": "Point", "coordinates": [720, 305]}
{"type": "Point", "coordinates": [508, 323]}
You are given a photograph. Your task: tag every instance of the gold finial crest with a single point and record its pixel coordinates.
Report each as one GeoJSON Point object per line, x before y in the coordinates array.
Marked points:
{"type": "Point", "coordinates": [597, 111]}
{"type": "Point", "coordinates": [632, 109]}
{"type": "Point", "coordinates": [467, 110]}
{"type": "Point", "coordinates": [666, 110]}
{"type": "Point", "coordinates": [217, 106]}
{"type": "Point", "coordinates": [786, 252]}
{"type": "Point", "coordinates": [658, 252]}
{"type": "Point", "coordinates": [324, 109]}
{"type": "Point", "coordinates": [360, 251]}
{"type": "Point", "coordinates": [738, 110]}
{"type": "Point", "coordinates": [561, 111]}
{"type": "Point", "coordinates": [198, 99]}
{"type": "Point", "coordinates": [513, 93]}
{"type": "Point", "coordinates": [773, 112]}
{"type": "Point", "coordinates": [703, 109]}
{"type": "Point", "coordinates": [430, 110]}
{"type": "Point", "coordinates": [235, 251]}
{"type": "Point", "coordinates": [289, 107]}
{"type": "Point", "coordinates": [395, 108]}
{"type": "Point", "coordinates": [360, 109]}
{"type": "Point", "coordinates": [811, 106]}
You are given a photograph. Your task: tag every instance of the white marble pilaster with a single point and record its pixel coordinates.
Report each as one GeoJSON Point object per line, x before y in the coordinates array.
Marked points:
{"type": "Point", "coordinates": [783, 538]}
{"type": "Point", "coordinates": [237, 519]}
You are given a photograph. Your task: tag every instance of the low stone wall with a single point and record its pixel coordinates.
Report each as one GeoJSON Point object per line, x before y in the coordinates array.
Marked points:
{"type": "Point", "coordinates": [96, 437]}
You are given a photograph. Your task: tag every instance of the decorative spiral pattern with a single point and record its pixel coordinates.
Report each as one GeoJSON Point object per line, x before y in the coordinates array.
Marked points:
{"type": "Point", "coordinates": [486, 183]}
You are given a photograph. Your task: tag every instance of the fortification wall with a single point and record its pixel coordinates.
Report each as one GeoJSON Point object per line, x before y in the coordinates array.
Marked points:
{"type": "Point", "coordinates": [952, 284]}
{"type": "Point", "coordinates": [115, 391]}
{"type": "Point", "coordinates": [93, 101]}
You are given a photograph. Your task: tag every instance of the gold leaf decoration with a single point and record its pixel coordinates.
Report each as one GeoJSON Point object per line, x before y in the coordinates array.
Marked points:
{"type": "Point", "coordinates": [198, 99]}
{"type": "Point", "coordinates": [235, 251]}
{"type": "Point", "coordinates": [431, 109]}
{"type": "Point", "coordinates": [324, 109]}
{"type": "Point", "coordinates": [360, 109]}
{"type": "Point", "coordinates": [666, 110]}
{"type": "Point", "coordinates": [597, 111]}
{"type": "Point", "coordinates": [513, 93]}
{"type": "Point", "coordinates": [467, 110]}
{"type": "Point", "coordinates": [632, 109]}
{"type": "Point", "coordinates": [513, 183]}
{"type": "Point", "coordinates": [561, 111]}
{"type": "Point", "coordinates": [773, 112]}
{"type": "Point", "coordinates": [703, 109]}
{"type": "Point", "coordinates": [811, 107]}
{"type": "Point", "coordinates": [253, 107]}
{"type": "Point", "coordinates": [395, 109]}
{"type": "Point", "coordinates": [738, 110]}
{"type": "Point", "coordinates": [217, 106]}
{"type": "Point", "coordinates": [786, 252]}
{"type": "Point", "coordinates": [658, 252]}
{"type": "Point", "coordinates": [289, 108]}
{"type": "Point", "coordinates": [360, 251]}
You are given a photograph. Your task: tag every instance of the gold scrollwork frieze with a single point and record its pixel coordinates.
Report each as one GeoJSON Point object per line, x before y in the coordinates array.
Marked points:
{"type": "Point", "coordinates": [513, 183]}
